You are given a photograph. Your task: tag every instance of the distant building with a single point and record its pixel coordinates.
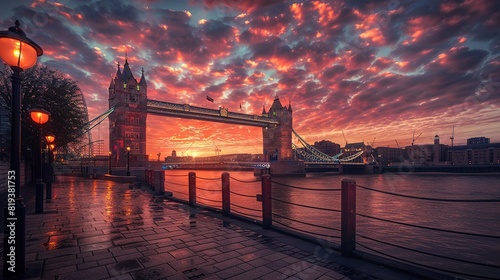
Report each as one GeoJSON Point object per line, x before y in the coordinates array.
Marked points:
{"type": "Point", "coordinates": [354, 148]}
{"type": "Point", "coordinates": [328, 147]}
{"type": "Point", "coordinates": [428, 154]}
{"type": "Point", "coordinates": [388, 156]}
{"type": "Point", "coordinates": [478, 141]}
{"type": "Point", "coordinates": [474, 154]}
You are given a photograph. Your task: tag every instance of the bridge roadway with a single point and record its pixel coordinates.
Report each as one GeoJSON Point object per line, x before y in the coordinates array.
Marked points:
{"type": "Point", "coordinates": [222, 115]}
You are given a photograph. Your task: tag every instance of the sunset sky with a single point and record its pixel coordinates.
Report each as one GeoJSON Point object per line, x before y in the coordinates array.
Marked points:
{"type": "Point", "coordinates": [374, 69]}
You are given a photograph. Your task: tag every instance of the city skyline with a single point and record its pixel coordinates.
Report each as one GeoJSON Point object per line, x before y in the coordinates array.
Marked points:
{"type": "Point", "coordinates": [374, 69]}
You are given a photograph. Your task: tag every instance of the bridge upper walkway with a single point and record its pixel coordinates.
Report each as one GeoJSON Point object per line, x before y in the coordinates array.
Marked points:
{"type": "Point", "coordinates": [223, 115]}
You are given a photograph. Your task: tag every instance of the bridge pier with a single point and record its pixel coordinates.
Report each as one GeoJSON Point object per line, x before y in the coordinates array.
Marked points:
{"type": "Point", "coordinates": [288, 168]}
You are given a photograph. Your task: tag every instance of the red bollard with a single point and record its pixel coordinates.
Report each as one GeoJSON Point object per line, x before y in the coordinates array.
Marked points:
{"type": "Point", "coordinates": [192, 189]}
{"type": "Point", "coordinates": [267, 209]}
{"type": "Point", "coordinates": [348, 218]}
{"type": "Point", "coordinates": [226, 197]}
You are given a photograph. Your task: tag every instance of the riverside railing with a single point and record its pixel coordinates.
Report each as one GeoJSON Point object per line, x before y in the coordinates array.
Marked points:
{"type": "Point", "coordinates": [348, 239]}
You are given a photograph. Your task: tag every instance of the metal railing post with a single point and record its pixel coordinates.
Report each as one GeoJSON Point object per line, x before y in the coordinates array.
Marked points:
{"type": "Point", "coordinates": [192, 189]}
{"type": "Point", "coordinates": [348, 217]}
{"type": "Point", "coordinates": [226, 198]}
{"type": "Point", "coordinates": [267, 216]}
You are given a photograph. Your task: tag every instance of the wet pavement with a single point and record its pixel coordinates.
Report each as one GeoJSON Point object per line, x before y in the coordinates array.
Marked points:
{"type": "Point", "coordinates": [95, 229]}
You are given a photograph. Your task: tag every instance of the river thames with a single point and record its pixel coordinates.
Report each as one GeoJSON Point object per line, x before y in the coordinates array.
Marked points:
{"type": "Point", "coordinates": [467, 232]}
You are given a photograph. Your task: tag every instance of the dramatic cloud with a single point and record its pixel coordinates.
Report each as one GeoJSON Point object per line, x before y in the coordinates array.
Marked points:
{"type": "Point", "coordinates": [379, 69]}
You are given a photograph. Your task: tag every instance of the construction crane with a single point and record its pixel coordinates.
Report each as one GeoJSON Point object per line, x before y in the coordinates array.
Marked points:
{"type": "Point", "coordinates": [344, 137]}
{"type": "Point", "coordinates": [372, 143]}
{"type": "Point", "coordinates": [397, 144]}
{"type": "Point", "coordinates": [415, 139]}
{"type": "Point", "coordinates": [452, 137]}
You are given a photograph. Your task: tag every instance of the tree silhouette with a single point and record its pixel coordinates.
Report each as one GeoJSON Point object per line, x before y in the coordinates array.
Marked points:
{"type": "Point", "coordinates": [53, 91]}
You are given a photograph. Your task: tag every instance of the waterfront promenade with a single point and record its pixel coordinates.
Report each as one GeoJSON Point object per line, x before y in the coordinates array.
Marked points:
{"type": "Point", "coordinates": [96, 229]}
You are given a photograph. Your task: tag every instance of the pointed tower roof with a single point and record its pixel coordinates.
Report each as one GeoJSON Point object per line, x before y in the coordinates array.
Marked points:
{"type": "Point", "coordinates": [276, 104]}
{"type": "Point", "coordinates": [264, 110]}
{"type": "Point", "coordinates": [127, 74]}
{"type": "Point", "coordinates": [142, 82]}
{"type": "Point", "coordinates": [112, 84]}
{"type": "Point", "coordinates": [118, 72]}
{"type": "Point", "coordinates": [289, 106]}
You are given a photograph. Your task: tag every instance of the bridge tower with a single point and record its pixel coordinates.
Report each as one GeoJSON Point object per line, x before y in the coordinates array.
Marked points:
{"type": "Point", "coordinates": [277, 141]}
{"type": "Point", "coordinates": [127, 123]}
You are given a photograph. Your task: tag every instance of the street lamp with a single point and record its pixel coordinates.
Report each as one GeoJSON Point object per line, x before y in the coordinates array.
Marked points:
{"type": "Point", "coordinates": [40, 116]}
{"type": "Point", "coordinates": [128, 161]}
{"type": "Point", "coordinates": [20, 53]}
{"type": "Point", "coordinates": [50, 143]}
{"type": "Point", "coordinates": [109, 163]}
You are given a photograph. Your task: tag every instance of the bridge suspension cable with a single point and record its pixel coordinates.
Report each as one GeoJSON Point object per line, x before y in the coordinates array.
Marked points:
{"type": "Point", "coordinates": [313, 154]}
{"type": "Point", "coordinates": [91, 124]}
{"type": "Point", "coordinates": [316, 154]}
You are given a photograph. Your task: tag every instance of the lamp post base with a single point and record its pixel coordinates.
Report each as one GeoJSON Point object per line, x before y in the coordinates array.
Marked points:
{"type": "Point", "coordinates": [48, 195]}
{"type": "Point", "coordinates": [39, 196]}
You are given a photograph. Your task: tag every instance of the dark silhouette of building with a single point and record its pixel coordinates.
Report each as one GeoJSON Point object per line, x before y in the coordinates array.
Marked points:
{"type": "Point", "coordinates": [328, 147]}
{"type": "Point", "coordinates": [127, 123]}
{"type": "Point", "coordinates": [478, 141]}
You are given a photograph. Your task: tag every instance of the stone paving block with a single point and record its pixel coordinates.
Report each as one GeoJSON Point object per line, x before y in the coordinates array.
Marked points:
{"type": "Point", "coordinates": [166, 249]}
{"type": "Point", "coordinates": [156, 259]}
{"type": "Point", "coordinates": [228, 263]}
{"type": "Point", "coordinates": [87, 265]}
{"type": "Point", "coordinates": [96, 273]}
{"type": "Point", "coordinates": [253, 273]}
{"type": "Point", "coordinates": [98, 256]}
{"type": "Point", "coordinates": [187, 263]}
{"type": "Point", "coordinates": [106, 261]}
{"type": "Point", "coordinates": [122, 267]}
{"type": "Point", "coordinates": [58, 252]}
{"type": "Point", "coordinates": [153, 273]}
{"type": "Point", "coordinates": [225, 256]}
{"type": "Point", "coordinates": [276, 264]}
{"type": "Point", "coordinates": [182, 253]}
{"type": "Point", "coordinates": [50, 274]}
{"type": "Point", "coordinates": [118, 251]}
{"type": "Point", "coordinates": [63, 263]}
{"type": "Point", "coordinates": [211, 252]}
{"type": "Point", "coordinates": [96, 246]}
{"type": "Point", "coordinates": [99, 239]}
{"type": "Point", "coordinates": [125, 241]}
{"type": "Point", "coordinates": [129, 256]}
{"type": "Point", "coordinates": [230, 272]}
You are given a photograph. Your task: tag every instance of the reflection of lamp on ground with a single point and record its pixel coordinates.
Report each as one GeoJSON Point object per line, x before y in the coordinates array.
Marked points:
{"type": "Point", "coordinates": [128, 161]}
{"type": "Point", "coordinates": [39, 116]}
{"type": "Point", "coordinates": [50, 174]}
{"type": "Point", "coordinates": [109, 163]}
{"type": "Point", "coordinates": [19, 52]}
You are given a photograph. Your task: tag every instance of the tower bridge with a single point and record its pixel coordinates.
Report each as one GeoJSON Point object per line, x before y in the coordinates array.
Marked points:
{"type": "Point", "coordinates": [127, 124]}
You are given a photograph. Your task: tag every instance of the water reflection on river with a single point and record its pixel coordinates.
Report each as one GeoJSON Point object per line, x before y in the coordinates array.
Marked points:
{"type": "Point", "coordinates": [469, 217]}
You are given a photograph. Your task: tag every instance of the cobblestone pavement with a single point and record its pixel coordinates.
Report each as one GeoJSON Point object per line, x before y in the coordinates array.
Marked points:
{"type": "Point", "coordinates": [95, 229]}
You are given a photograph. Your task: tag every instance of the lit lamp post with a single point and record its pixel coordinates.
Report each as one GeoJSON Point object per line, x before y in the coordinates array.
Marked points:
{"type": "Point", "coordinates": [128, 161]}
{"type": "Point", "coordinates": [39, 116]}
{"type": "Point", "coordinates": [50, 142]}
{"type": "Point", "coordinates": [109, 163]}
{"type": "Point", "coordinates": [19, 52]}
